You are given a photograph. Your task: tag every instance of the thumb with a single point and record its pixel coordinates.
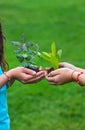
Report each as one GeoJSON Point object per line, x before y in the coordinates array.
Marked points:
{"type": "Point", "coordinates": [61, 64]}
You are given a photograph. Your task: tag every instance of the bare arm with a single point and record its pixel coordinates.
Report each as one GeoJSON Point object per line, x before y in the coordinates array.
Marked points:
{"type": "Point", "coordinates": [70, 66]}
{"type": "Point", "coordinates": [3, 80]}
{"type": "Point", "coordinates": [24, 75]}
{"type": "Point", "coordinates": [65, 75]}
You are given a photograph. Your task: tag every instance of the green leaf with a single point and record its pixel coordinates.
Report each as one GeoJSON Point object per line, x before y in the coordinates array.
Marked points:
{"type": "Point", "coordinates": [59, 53]}
{"type": "Point", "coordinates": [17, 50]}
{"type": "Point", "coordinates": [20, 58]}
{"type": "Point", "coordinates": [24, 47]}
{"type": "Point", "coordinates": [24, 55]}
{"type": "Point", "coordinates": [54, 61]}
{"type": "Point", "coordinates": [15, 43]}
{"type": "Point", "coordinates": [45, 56]}
{"type": "Point", "coordinates": [37, 47]}
{"type": "Point", "coordinates": [29, 44]}
{"type": "Point", "coordinates": [23, 38]}
{"type": "Point", "coordinates": [53, 49]}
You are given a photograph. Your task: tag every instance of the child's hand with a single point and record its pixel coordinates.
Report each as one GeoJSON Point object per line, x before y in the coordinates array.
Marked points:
{"type": "Point", "coordinates": [25, 75]}
{"type": "Point", "coordinates": [59, 76]}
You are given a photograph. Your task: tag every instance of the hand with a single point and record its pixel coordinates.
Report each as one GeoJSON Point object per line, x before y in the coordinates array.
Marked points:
{"type": "Point", "coordinates": [59, 76]}
{"type": "Point", "coordinates": [70, 66]}
{"type": "Point", "coordinates": [67, 65]}
{"type": "Point", "coordinates": [38, 77]}
{"type": "Point", "coordinates": [48, 70]}
{"type": "Point", "coordinates": [25, 75]}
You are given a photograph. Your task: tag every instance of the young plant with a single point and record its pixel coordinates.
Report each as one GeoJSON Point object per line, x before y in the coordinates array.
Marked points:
{"type": "Point", "coordinates": [26, 53]}
{"type": "Point", "coordinates": [54, 57]}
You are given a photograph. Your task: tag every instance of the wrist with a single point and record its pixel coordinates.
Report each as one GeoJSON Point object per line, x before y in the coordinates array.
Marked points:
{"type": "Point", "coordinates": [7, 76]}
{"type": "Point", "coordinates": [10, 73]}
{"type": "Point", "coordinates": [75, 75]}
{"type": "Point", "coordinates": [71, 72]}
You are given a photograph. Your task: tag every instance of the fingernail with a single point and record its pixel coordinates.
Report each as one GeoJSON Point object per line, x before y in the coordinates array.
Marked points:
{"type": "Point", "coordinates": [34, 72]}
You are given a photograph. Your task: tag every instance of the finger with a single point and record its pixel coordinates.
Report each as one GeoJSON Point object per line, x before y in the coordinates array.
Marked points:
{"type": "Point", "coordinates": [53, 73]}
{"type": "Point", "coordinates": [29, 71]}
{"type": "Point", "coordinates": [50, 79]}
{"type": "Point", "coordinates": [31, 78]}
{"type": "Point", "coordinates": [40, 73]}
{"type": "Point", "coordinates": [62, 64]}
{"type": "Point", "coordinates": [46, 73]}
{"type": "Point", "coordinates": [47, 68]}
{"type": "Point", "coordinates": [52, 83]}
{"type": "Point", "coordinates": [36, 79]}
{"type": "Point", "coordinates": [27, 77]}
{"type": "Point", "coordinates": [40, 68]}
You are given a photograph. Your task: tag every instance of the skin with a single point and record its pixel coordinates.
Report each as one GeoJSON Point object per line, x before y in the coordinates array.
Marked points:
{"type": "Point", "coordinates": [70, 66]}
{"type": "Point", "coordinates": [24, 75]}
{"type": "Point", "coordinates": [65, 75]}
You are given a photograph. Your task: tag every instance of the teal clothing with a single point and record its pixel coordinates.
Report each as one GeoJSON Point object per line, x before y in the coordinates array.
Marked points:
{"type": "Point", "coordinates": [4, 117]}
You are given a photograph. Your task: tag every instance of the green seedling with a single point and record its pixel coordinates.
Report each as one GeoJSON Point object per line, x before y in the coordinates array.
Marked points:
{"type": "Point", "coordinates": [26, 53]}
{"type": "Point", "coordinates": [54, 57]}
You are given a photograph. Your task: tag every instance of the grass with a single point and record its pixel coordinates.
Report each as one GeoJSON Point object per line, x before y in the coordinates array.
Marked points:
{"type": "Point", "coordinates": [42, 106]}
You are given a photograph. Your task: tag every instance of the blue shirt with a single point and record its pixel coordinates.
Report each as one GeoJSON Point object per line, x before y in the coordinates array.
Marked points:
{"type": "Point", "coordinates": [4, 117]}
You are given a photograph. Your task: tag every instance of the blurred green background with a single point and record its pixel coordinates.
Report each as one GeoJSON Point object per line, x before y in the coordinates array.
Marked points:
{"type": "Point", "coordinates": [42, 106]}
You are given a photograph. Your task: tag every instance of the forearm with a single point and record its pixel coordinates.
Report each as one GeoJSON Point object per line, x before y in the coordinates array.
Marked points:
{"type": "Point", "coordinates": [70, 66]}
{"type": "Point", "coordinates": [6, 78]}
{"type": "Point", "coordinates": [3, 80]}
{"type": "Point", "coordinates": [79, 69]}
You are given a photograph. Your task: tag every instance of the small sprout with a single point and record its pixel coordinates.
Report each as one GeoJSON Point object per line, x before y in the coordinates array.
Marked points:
{"type": "Point", "coordinates": [54, 57]}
